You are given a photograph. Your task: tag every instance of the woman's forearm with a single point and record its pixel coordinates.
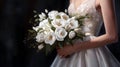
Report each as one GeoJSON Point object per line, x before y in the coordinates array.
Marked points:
{"type": "Point", "coordinates": [96, 42]}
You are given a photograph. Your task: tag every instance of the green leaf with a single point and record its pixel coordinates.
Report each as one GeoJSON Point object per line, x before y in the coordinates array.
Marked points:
{"type": "Point", "coordinates": [39, 30]}
{"type": "Point", "coordinates": [53, 28]}
{"type": "Point", "coordinates": [47, 49]}
{"type": "Point", "coordinates": [31, 31]}
{"type": "Point", "coordinates": [49, 20]}
{"type": "Point", "coordinates": [70, 41]}
{"type": "Point", "coordinates": [80, 36]}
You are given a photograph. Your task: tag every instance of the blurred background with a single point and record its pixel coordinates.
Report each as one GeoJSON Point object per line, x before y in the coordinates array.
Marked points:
{"type": "Point", "coordinates": [14, 18]}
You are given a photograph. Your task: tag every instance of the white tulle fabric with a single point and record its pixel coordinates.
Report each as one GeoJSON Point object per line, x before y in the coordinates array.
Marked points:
{"type": "Point", "coordinates": [97, 57]}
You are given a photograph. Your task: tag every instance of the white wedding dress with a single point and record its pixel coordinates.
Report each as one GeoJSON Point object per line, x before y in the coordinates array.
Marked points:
{"type": "Point", "coordinates": [96, 57]}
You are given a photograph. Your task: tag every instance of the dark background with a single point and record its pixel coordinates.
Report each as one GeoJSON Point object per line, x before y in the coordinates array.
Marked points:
{"type": "Point", "coordinates": [14, 17]}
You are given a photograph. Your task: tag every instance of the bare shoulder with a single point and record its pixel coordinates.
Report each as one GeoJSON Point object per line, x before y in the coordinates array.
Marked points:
{"type": "Point", "coordinates": [107, 6]}
{"type": "Point", "coordinates": [106, 3]}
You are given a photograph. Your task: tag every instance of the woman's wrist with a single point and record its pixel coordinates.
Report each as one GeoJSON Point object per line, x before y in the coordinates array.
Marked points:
{"type": "Point", "coordinates": [79, 46]}
{"type": "Point", "coordinates": [76, 47]}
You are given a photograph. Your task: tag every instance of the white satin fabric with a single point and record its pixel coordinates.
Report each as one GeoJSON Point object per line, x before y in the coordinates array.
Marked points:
{"type": "Point", "coordinates": [97, 57]}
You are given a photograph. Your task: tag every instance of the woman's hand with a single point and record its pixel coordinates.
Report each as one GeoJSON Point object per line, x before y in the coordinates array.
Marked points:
{"type": "Point", "coordinates": [66, 51]}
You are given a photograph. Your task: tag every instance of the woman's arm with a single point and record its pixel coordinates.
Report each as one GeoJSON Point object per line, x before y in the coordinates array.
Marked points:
{"type": "Point", "coordinates": [110, 36]}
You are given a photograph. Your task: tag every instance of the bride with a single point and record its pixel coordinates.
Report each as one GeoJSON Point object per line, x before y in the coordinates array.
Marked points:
{"type": "Point", "coordinates": [91, 52]}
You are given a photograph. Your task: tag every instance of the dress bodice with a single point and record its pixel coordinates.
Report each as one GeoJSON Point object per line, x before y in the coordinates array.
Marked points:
{"type": "Point", "coordinates": [91, 25]}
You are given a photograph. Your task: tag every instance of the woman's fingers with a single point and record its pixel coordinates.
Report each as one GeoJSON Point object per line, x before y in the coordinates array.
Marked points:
{"type": "Point", "coordinates": [66, 51]}
{"type": "Point", "coordinates": [60, 52]}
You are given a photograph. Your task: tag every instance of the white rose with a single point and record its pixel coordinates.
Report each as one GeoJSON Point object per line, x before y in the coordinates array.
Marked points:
{"type": "Point", "coordinates": [64, 16]}
{"type": "Point", "coordinates": [40, 37]}
{"type": "Point", "coordinates": [71, 24]}
{"type": "Point", "coordinates": [50, 38]}
{"type": "Point", "coordinates": [72, 34]}
{"type": "Point", "coordinates": [57, 23]}
{"type": "Point", "coordinates": [60, 34]}
{"type": "Point", "coordinates": [40, 46]}
{"type": "Point", "coordinates": [48, 30]}
{"type": "Point", "coordinates": [46, 26]}
{"type": "Point", "coordinates": [45, 23]}
{"type": "Point", "coordinates": [53, 14]}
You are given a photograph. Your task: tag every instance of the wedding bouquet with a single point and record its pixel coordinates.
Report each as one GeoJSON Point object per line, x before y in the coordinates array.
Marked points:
{"type": "Point", "coordinates": [55, 29]}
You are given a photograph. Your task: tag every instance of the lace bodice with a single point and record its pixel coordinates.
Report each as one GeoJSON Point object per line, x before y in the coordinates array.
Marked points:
{"type": "Point", "coordinates": [93, 24]}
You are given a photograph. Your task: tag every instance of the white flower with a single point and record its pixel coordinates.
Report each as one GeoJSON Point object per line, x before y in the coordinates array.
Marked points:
{"type": "Point", "coordinates": [53, 14]}
{"type": "Point", "coordinates": [66, 10]}
{"type": "Point", "coordinates": [72, 34]}
{"type": "Point", "coordinates": [57, 23]}
{"type": "Point", "coordinates": [64, 16]}
{"type": "Point", "coordinates": [60, 34]}
{"type": "Point", "coordinates": [46, 10]}
{"type": "Point", "coordinates": [36, 28]}
{"type": "Point", "coordinates": [44, 23]}
{"type": "Point", "coordinates": [50, 38]}
{"type": "Point", "coordinates": [71, 24]}
{"type": "Point", "coordinates": [42, 16]}
{"type": "Point", "coordinates": [40, 37]}
{"type": "Point", "coordinates": [48, 30]}
{"type": "Point", "coordinates": [40, 46]}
